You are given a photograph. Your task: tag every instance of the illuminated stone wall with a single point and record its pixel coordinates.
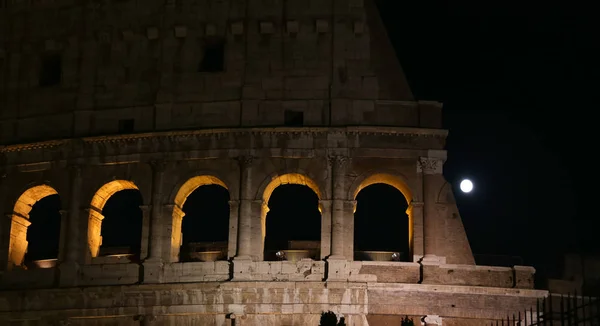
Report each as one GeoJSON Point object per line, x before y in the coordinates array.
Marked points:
{"type": "Point", "coordinates": [336, 163]}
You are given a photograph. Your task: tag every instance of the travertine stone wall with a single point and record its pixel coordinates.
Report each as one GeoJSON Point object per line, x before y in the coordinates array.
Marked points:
{"type": "Point", "coordinates": [131, 67]}
{"type": "Point", "coordinates": [131, 60]}
{"type": "Point", "coordinates": [260, 303]}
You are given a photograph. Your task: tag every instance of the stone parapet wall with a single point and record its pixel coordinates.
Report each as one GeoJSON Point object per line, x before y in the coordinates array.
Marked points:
{"type": "Point", "coordinates": [304, 270]}
{"type": "Point", "coordinates": [259, 303]}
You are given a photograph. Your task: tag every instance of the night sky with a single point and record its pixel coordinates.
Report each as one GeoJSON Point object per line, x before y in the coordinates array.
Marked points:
{"type": "Point", "coordinates": [519, 102]}
{"type": "Point", "coordinates": [518, 94]}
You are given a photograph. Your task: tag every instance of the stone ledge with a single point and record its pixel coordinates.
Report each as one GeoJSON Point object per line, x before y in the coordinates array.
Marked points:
{"type": "Point", "coordinates": [303, 270]}
{"type": "Point", "coordinates": [379, 130]}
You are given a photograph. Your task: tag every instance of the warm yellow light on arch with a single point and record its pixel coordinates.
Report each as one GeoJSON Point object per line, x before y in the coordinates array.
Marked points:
{"type": "Point", "coordinates": [387, 179]}
{"type": "Point", "coordinates": [194, 183]}
{"type": "Point", "coordinates": [105, 192]}
{"type": "Point", "coordinates": [290, 178]}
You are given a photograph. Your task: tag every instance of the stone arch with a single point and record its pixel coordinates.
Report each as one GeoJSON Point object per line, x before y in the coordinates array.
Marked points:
{"type": "Point", "coordinates": [186, 189]}
{"type": "Point", "coordinates": [99, 199]}
{"type": "Point", "coordinates": [20, 221]}
{"type": "Point", "coordinates": [397, 181]}
{"type": "Point", "coordinates": [274, 181]}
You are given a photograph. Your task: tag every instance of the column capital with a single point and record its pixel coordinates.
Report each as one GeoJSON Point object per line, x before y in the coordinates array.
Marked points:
{"type": "Point", "coordinates": [337, 160]}
{"type": "Point", "coordinates": [158, 165]}
{"type": "Point", "coordinates": [234, 203]}
{"type": "Point", "coordinates": [245, 161]}
{"type": "Point", "coordinates": [145, 208]}
{"type": "Point", "coordinates": [430, 165]}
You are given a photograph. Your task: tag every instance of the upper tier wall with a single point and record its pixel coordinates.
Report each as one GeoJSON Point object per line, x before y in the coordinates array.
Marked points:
{"type": "Point", "coordinates": [134, 66]}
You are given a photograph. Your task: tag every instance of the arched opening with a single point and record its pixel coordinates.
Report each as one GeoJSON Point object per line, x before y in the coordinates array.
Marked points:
{"type": "Point", "coordinates": [116, 219]}
{"type": "Point", "coordinates": [201, 220]}
{"type": "Point", "coordinates": [35, 228]}
{"type": "Point", "coordinates": [292, 219]}
{"type": "Point", "coordinates": [383, 220]}
{"type": "Point", "coordinates": [205, 227]}
{"type": "Point", "coordinates": [122, 225]}
{"type": "Point", "coordinates": [43, 235]}
{"type": "Point", "coordinates": [381, 224]}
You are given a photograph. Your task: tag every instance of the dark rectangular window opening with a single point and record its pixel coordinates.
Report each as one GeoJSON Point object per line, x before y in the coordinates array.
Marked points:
{"type": "Point", "coordinates": [293, 118]}
{"type": "Point", "coordinates": [213, 59]}
{"type": "Point", "coordinates": [51, 70]}
{"type": "Point", "coordinates": [126, 126]}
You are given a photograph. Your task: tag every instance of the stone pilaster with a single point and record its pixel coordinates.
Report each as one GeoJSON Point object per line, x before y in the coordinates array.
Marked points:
{"type": "Point", "coordinates": [244, 240]}
{"type": "Point", "coordinates": [325, 209]}
{"type": "Point", "coordinates": [338, 173]}
{"type": "Point", "coordinates": [349, 210]}
{"type": "Point", "coordinates": [234, 211]}
{"type": "Point", "coordinates": [146, 211]}
{"type": "Point", "coordinates": [156, 225]}
{"type": "Point", "coordinates": [71, 237]}
{"type": "Point", "coordinates": [415, 214]}
{"type": "Point", "coordinates": [431, 168]}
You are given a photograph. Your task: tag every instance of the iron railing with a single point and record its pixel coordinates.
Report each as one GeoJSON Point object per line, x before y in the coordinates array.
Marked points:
{"type": "Point", "coordinates": [555, 310]}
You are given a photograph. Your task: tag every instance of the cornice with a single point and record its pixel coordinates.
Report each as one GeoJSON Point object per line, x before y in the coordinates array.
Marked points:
{"type": "Point", "coordinates": [221, 132]}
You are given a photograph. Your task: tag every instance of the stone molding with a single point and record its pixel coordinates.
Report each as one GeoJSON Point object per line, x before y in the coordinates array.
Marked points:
{"type": "Point", "coordinates": [179, 135]}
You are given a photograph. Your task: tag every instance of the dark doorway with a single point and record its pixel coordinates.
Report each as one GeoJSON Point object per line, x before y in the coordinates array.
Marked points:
{"type": "Point", "coordinates": [122, 224]}
{"type": "Point", "coordinates": [381, 223]}
{"type": "Point", "coordinates": [205, 225]}
{"type": "Point", "coordinates": [43, 235]}
{"type": "Point", "coordinates": [293, 221]}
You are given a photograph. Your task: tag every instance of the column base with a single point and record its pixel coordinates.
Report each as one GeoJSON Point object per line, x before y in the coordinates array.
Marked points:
{"type": "Point", "coordinates": [433, 260]}
{"type": "Point", "coordinates": [243, 268]}
{"type": "Point", "coordinates": [68, 274]}
{"type": "Point", "coordinates": [153, 271]}
{"type": "Point", "coordinates": [337, 268]}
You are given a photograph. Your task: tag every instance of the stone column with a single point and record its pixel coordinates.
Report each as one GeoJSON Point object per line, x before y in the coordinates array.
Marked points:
{"type": "Point", "coordinates": [349, 210]}
{"type": "Point", "coordinates": [432, 227]}
{"type": "Point", "coordinates": [244, 240]}
{"type": "Point", "coordinates": [234, 210]}
{"type": "Point", "coordinates": [338, 169]}
{"type": "Point", "coordinates": [325, 209]}
{"type": "Point", "coordinates": [415, 214]}
{"type": "Point", "coordinates": [155, 230]}
{"type": "Point", "coordinates": [72, 238]}
{"type": "Point", "coordinates": [146, 210]}
{"type": "Point", "coordinates": [153, 265]}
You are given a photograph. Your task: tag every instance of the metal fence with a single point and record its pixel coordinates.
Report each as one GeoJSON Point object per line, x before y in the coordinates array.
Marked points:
{"type": "Point", "coordinates": [557, 310]}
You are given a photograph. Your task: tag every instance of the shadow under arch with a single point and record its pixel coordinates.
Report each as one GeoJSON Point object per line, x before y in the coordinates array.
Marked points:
{"type": "Point", "coordinates": [397, 181]}
{"type": "Point", "coordinates": [183, 193]}
{"type": "Point", "coordinates": [276, 181]}
{"type": "Point", "coordinates": [20, 221]}
{"type": "Point", "coordinates": [99, 199]}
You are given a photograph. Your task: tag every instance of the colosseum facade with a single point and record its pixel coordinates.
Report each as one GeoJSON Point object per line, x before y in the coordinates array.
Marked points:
{"type": "Point", "coordinates": [163, 97]}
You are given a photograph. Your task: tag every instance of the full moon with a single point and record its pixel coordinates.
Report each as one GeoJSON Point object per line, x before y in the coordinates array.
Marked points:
{"type": "Point", "coordinates": [466, 186]}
